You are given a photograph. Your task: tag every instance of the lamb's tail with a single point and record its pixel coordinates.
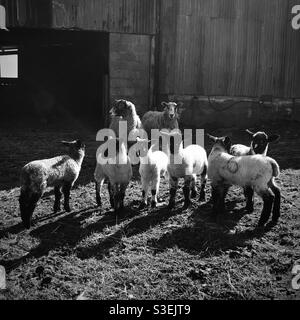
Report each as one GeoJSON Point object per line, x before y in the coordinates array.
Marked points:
{"type": "Point", "coordinates": [275, 167]}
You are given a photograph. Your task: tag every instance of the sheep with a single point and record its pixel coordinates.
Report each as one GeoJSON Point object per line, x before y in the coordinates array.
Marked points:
{"type": "Point", "coordinates": [153, 164]}
{"type": "Point", "coordinates": [185, 163]}
{"type": "Point", "coordinates": [255, 171]}
{"type": "Point", "coordinates": [124, 110]}
{"type": "Point", "coordinates": [259, 145]}
{"type": "Point", "coordinates": [117, 169]}
{"type": "Point", "coordinates": [59, 172]}
{"type": "Point", "coordinates": [167, 119]}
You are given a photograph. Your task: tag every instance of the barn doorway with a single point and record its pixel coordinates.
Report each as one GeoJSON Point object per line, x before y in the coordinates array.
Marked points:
{"type": "Point", "coordinates": [61, 76]}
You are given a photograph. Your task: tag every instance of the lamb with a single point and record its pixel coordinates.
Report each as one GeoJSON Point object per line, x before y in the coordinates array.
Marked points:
{"type": "Point", "coordinates": [153, 164]}
{"type": "Point", "coordinates": [259, 145]}
{"type": "Point", "coordinates": [117, 169]}
{"type": "Point", "coordinates": [185, 163]}
{"type": "Point", "coordinates": [255, 171]}
{"type": "Point", "coordinates": [124, 110]}
{"type": "Point", "coordinates": [167, 119]}
{"type": "Point", "coordinates": [59, 172]}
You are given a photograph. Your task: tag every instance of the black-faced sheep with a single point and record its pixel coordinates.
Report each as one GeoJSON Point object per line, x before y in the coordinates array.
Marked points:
{"type": "Point", "coordinates": [59, 172]}
{"type": "Point", "coordinates": [116, 168]}
{"type": "Point", "coordinates": [254, 171]}
{"type": "Point", "coordinates": [259, 145]}
{"type": "Point", "coordinates": [185, 163]}
{"type": "Point", "coordinates": [167, 119]}
{"type": "Point", "coordinates": [124, 110]}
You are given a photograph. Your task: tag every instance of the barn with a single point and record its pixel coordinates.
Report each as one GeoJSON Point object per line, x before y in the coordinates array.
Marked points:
{"type": "Point", "coordinates": [234, 64]}
{"type": "Point", "coordinates": [227, 60]}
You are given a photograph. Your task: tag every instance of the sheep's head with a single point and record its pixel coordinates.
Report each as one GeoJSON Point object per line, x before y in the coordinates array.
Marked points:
{"type": "Point", "coordinates": [171, 109]}
{"type": "Point", "coordinates": [75, 147]}
{"type": "Point", "coordinates": [221, 142]}
{"type": "Point", "coordinates": [260, 141]}
{"type": "Point", "coordinates": [122, 108]}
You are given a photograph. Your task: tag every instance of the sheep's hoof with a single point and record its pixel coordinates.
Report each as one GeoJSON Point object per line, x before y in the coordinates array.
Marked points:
{"type": "Point", "coordinates": [202, 197]}
{"type": "Point", "coordinates": [68, 209]}
{"type": "Point", "coordinates": [186, 205]}
{"type": "Point", "coordinates": [193, 193]}
{"type": "Point", "coordinates": [153, 204]}
{"type": "Point", "coordinates": [171, 205]}
{"type": "Point", "coordinates": [56, 208]}
{"type": "Point", "coordinates": [249, 208]}
{"type": "Point", "coordinates": [142, 205]}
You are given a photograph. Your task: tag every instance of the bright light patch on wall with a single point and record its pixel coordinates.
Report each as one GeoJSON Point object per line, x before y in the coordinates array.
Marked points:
{"type": "Point", "coordinates": [9, 66]}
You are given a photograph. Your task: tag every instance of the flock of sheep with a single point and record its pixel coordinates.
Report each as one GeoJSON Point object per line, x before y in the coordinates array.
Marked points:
{"type": "Point", "coordinates": [226, 165]}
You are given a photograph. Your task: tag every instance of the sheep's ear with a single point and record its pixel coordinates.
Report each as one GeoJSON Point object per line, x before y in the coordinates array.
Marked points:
{"type": "Point", "coordinates": [274, 138]}
{"type": "Point", "coordinates": [67, 143]}
{"type": "Point", "coordinates": [80, 144]}
{"type": "Point", "coordinates": [250, 132]}
{"type": "Point", "coordinates": [227, 141]}
{"type": "Point", "coordinates": [212, 137]}
{"type": "Point", "coordinates": [179, 105]}
{"type": "Point", "coordinates": [164, 104]}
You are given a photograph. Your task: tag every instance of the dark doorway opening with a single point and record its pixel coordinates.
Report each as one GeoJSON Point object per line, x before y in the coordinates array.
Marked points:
{"type": "Point", "coordinates": [62, 77]}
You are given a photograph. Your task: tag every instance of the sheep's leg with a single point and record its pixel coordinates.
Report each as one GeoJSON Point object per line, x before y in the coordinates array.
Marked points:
{"type": "Point", "coordinates": [193, 187]}
{"type": "Point", "coordinates": [203, 183]}
{"type": "Point", "coordinates": [111, 194]}
{"type": "Point", "coordinates": [123, 188]}
{"type": "Point", "coordinates": [145, 189]}
{"type": "Point", "coordinates": [186, 191]}
{"type": "Point", "coordinates": [173, 189]}
{"type": "Point", "coordinates": [116, 197]}
{"type": "Point", "coordinates": [218, 199]}
{"type": "Point", "coordinates": [28, 202]}
{"type": "Point", "coordinates": [154, 191]}
{"type": "Point", "coordinates": [268, 198]}
{"type": "Point", "coordinates": [276, 205]}
{"type": "Point", "coordinates": [66, 188]}
{"type": "Point", "coordinates": [249, 192]}
{"type": "Point", "coordinates": [57, 194]}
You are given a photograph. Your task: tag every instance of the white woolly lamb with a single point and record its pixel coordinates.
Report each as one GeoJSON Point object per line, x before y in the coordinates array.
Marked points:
{"type": "Point", "coordinates": [167, 119]}
{"type": "Point", "coordinates": [117, 169]}
{"type": "Point", "coordinates": [61, 171]}
{"type": "Point", "coordinates": [153, 164]}
{"type": "Point", "coordinates": [185, 163]}
{"type": "Point", "coordinates": [255, 171]}
{"type": "Point", "coordinates": [259, 145]}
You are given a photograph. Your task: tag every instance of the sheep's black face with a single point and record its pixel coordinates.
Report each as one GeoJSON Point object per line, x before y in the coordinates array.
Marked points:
{"type": "Point", "coordinates": [122, 108]}
{"type": "Point", "coordinates": [259, 142]}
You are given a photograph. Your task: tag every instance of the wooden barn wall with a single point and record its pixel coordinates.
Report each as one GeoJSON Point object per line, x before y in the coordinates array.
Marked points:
{"type": "Point", "coordinates": [28, 13]}
{"type": "Point", "coordinates": [229, 48]}
{"type": "Point", "coordinates": [126, 16]}
{"type": "Point", "coordinates": [130, 69]}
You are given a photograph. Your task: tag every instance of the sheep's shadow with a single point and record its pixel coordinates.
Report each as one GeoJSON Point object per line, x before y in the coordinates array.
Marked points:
{"type": "Point", "coordinates": [64, 231]}
{"type": "Point", "coordinates": [149, 218]}
{"type": "Point", "coordinates": [210, 235]}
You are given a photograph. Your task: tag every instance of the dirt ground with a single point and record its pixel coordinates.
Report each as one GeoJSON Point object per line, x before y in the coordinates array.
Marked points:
{"type": "Point", "coordinates": [148, 254]}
